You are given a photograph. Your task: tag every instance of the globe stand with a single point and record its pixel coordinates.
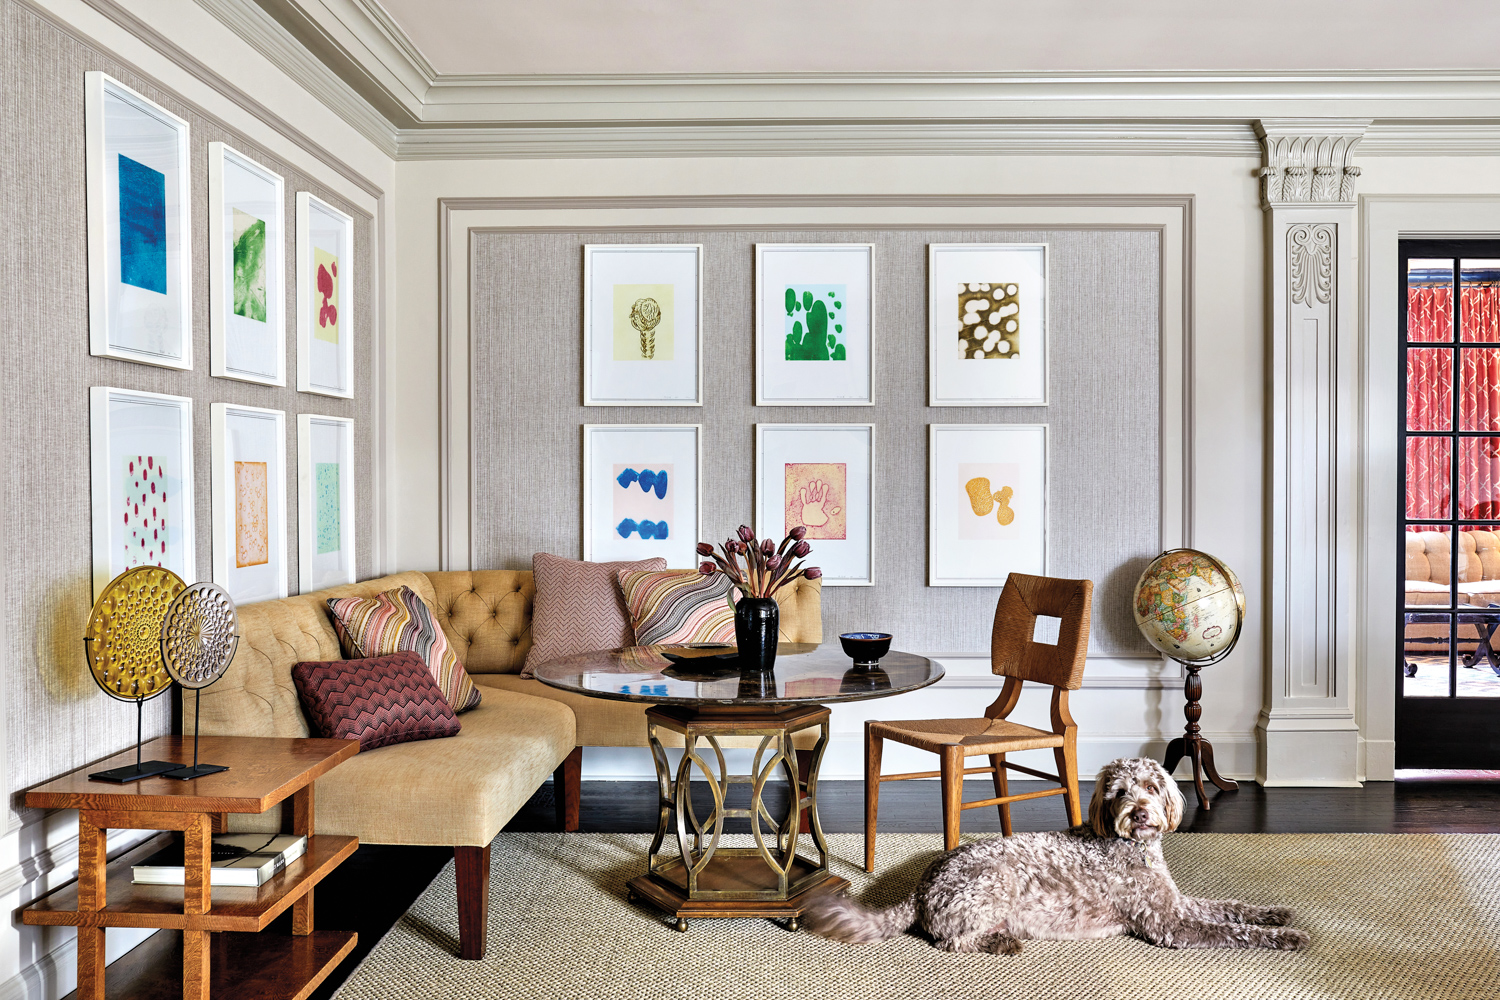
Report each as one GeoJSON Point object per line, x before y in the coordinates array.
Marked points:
{"type": "Point", "coordinates": [1192, 745]}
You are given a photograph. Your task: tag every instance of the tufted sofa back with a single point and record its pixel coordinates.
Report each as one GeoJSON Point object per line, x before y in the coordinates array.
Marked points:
{"type": "Point", "coordinates": [486, 615]}
{"type": "Point", "coordinates": [1428, 556]}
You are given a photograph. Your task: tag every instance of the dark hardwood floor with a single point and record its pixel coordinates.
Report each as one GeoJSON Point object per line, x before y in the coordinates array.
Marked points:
{"type": "Point", "coordinates": [370, 891]}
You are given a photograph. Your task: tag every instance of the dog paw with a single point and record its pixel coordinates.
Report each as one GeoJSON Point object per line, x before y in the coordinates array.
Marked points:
{"type": "Point", "coordinates": [1288, 939]}
{"type": "Point", "coordinates": [1273, 916]}
{"type": "Point", "coordinates": [1002, 945]}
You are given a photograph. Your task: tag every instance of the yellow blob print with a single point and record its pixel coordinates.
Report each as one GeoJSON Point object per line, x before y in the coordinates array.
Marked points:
{"type": "Point", "coordinates": [983, 501]}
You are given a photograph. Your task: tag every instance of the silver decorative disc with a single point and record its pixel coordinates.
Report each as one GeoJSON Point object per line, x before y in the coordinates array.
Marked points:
{"type": "Point", "coordinates": [199, 635]}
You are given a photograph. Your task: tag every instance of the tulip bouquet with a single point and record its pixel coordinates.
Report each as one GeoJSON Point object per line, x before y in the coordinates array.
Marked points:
{"type": "Point", "coordinates": [760, 568]}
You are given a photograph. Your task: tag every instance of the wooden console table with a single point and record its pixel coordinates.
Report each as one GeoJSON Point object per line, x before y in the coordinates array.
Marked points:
{"type": "Point", "coordinates": [211, 940]}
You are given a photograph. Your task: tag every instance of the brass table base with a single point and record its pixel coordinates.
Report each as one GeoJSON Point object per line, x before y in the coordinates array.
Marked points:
{"type": "Point", "coordinates": [703, 879]}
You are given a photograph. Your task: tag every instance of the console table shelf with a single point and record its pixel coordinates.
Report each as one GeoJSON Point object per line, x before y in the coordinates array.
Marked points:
{"type": "Point", "coordinates": [209, 945]}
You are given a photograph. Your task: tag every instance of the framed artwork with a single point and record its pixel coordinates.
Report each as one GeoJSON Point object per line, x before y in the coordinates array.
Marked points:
{"type": "Point", "coordinates": [820, 476]}
{"type": "Point", "coordinates": [987, 324]}
{"type": "Point", "coordinates": [325, 314]}
{"type": "Point", "coordinates": [325, 502]}
{"type": "Point", "coordinates": [249, 497]}
{"type": "Point", "coordinates": [139, 215]}
{"type": "Point", "coordinates": [246, 272]}
{"type": "Point", "coordinates": [642, 324]}
{"type": "Point", "coordinates": [642, 493]}
{"type": "Point", "coordinates": [814, 324]}
{"type": "Point", "coordinates": [987, 503]}
{"type": "Point", "coordinates": [141, 473]}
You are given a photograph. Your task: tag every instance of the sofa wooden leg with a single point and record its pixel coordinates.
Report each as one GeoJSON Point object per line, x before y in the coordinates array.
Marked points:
{"type": "Point", "coordinates": [473, 870]}
{"type": "Point", "coordinates": [565, 782]}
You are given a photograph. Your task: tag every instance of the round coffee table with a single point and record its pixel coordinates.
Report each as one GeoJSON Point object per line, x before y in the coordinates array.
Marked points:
{"type": "Point", "coordinates": [703, 698]}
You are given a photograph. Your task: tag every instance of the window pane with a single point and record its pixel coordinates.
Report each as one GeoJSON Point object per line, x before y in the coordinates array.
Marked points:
{"type": "Point", "coordinates": [1429, 566]}
{"type": "Point", "coordinates": [1479, 478]}
{"type": "Point", "coordinates": [1426, 655]}
{"type": "Point", "coordinates": [1479, 290]}
{"type": "Point", "coordinates": [1479, 400]}
{"type": "Point", "coordinates": [1477, 660]}
{"type": "Point", "coordinates": [1429, 388]}
{"type": "Point", "coordinates": [1429, 300]}
{"type": "Point", "coordinates": [1428, 478]}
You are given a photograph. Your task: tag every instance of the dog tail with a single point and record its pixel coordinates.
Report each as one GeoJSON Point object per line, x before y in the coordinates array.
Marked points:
{"type": "Point", "coordinates": [845, 920]}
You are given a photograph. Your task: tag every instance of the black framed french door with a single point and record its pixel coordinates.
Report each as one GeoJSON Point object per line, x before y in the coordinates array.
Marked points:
{"type": "Point", "coordinates": [1448, 667]}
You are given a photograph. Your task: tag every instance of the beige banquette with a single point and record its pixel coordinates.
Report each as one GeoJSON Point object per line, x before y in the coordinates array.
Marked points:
{"type": "Point", "coordinates": [1428, 572]}
{"type": "Point", "coordinates": [455, 792]}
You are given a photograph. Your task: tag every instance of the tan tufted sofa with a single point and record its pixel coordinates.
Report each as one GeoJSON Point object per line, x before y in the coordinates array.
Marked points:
{"type": "Point", "coordinates": [1428, 570]}
{"type": "Point", "coordinates": [459, 791]}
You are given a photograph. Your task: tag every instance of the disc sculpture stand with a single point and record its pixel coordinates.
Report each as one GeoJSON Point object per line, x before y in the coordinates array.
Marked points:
{"type": "Point", "coordinates": [123, 648]}
{"type": "Point", "coordinates": [198, 639]}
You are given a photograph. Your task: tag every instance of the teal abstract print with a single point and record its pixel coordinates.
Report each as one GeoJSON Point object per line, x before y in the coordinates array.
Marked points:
{"type": "Point", "coordinates": [327, 507]}
{"type": "Point", "coordinates": [814, 322]}
{"type": "Point", "coordinates": [143, 226]}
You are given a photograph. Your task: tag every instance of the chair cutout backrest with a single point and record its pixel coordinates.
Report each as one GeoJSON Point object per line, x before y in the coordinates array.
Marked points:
{"type": "Point", "coordinates": [1013, 653]}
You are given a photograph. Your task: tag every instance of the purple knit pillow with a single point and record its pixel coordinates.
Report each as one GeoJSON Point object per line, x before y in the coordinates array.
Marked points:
{"type": "Point", "coordinates": [578, 607]}
{"type": "Point", "coordinates": [378, 701]}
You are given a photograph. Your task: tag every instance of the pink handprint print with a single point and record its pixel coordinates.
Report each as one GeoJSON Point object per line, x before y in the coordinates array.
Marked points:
{"type": "Point", "coordinates": [816, 498]}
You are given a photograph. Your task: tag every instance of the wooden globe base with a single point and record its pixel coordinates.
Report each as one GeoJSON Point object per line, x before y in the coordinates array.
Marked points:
{"type": "Point", "coordinates": [1192, 745]}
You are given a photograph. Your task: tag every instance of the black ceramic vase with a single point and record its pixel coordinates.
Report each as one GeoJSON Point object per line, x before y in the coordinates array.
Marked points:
{"type": "Point", "coordinates": [757, 623]}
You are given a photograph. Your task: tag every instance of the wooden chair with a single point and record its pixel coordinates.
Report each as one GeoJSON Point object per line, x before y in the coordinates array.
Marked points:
{"type": "Point", "coordinates": [1014, 656]}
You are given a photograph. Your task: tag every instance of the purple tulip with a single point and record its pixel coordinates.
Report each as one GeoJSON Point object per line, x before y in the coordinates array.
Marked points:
{"type": "Point", "coordinates": [801, 549]}
{"type": "Point", "coordinates": [798, 533]}
{"type": "Point", "coordinates": [746, 535]}
{"type": "Point", "coordinates": [734, 548]}
{"type": "Point", "coordinates": [812, 572]}
{"type": "Point", "coordinates": [767, 547]}
{"type": "Point", "coordinates": [707, 568]}
{"type": "Point", "coordinates": [705, 549]}
{"type": "Point", "coordinates": [773, 563]}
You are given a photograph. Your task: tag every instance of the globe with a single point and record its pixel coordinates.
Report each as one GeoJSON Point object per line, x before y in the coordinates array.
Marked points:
{"type": "Point", "coordinates": [1189, 606]}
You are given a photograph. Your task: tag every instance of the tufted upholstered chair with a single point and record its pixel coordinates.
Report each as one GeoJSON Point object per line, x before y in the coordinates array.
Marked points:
{"type": "Point", "coordinates": [1018, 657]}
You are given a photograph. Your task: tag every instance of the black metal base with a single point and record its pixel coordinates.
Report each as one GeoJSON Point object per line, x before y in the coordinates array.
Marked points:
{"type": "Point", "coordinates": [194, 771]}
{"type": "Point", "coordinates": [135, 772]}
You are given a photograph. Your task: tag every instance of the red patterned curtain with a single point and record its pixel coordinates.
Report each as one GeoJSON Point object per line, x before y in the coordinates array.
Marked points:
{"type": "Point", "coordinates": [1479, 399]}
{"type": "Point", "coordinates": [1429, 395]}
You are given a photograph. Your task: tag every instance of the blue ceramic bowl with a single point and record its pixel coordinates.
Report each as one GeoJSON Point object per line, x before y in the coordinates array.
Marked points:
{"type": "Point", "coordinates": [865, 648]}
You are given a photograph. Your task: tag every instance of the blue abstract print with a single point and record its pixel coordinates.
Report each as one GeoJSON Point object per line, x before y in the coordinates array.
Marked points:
{"type": "Point", "coordinates": [143, 226]}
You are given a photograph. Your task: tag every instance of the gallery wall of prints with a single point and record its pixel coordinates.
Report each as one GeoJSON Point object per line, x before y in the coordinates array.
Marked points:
{"type": "Point", "coordinates": [845, 350]}
{"type": "Point", "coordinates": [51, 377]}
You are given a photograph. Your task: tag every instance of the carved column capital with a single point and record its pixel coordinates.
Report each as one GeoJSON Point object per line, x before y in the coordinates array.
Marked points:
{"type": "Point", "coordinates": [1307, 160]}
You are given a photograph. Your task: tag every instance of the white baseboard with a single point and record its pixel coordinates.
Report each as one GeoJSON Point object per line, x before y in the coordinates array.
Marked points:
{"type": "Point", "coordinates": [1378, 760]}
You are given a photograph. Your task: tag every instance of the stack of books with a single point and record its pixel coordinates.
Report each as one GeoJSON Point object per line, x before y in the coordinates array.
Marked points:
{"type": "Point", "coordinates": [246, 859]}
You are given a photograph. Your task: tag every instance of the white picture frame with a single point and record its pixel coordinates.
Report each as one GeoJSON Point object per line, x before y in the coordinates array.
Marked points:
{"type": "Point", "coordinates": [839, 278]}
{"type": "Point", "coordinates": [831, 468]}
{"type": "Point", "coordinates": [632, 451]}
{"type": "Point", "coordinates": [962, 277]}
{"type": "Point", "coordinates": [325, 341]}
{"type": "Point", "coordinates": [651, 358]}
{"type": "Point", "coordinates": [248, 455]}
{"type": "Point", "coordinates": [246, 274]}
{"type": "Point", "coordinates": [136, 164]}
{"type": "Point", "coordinates": [325, 502]}
{"type": "Point", "coordinates": [970, 468]}
{"type": "Point", "coordinates": [125, 426]}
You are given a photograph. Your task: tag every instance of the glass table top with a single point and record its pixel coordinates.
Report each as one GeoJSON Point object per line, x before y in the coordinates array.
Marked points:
{"type": "Point", "coordinates": [805, 673]}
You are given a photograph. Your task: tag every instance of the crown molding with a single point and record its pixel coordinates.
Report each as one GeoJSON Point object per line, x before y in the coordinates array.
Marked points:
{"type": "Point", "coordinates": [352, 56]}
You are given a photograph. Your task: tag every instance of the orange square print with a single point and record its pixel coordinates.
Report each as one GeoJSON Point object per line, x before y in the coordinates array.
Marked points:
{"type": "Point", "coordinates": [252, 529]}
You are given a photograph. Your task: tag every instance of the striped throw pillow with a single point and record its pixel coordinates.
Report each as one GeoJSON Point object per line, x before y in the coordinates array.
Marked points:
{"type": "Point", "coordinates": [397, 621]}
{"type": "Point", "coordinates": [676, 607]}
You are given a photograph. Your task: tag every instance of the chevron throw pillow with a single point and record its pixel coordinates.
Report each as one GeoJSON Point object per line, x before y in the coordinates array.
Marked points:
{"type": "Point", "coordinates": [578, 608]}
{"type": "Point", "coordinates": [400, 621]}
{"type": "Point", "coordinates": [379, 701]}
{"type": "Point", "coordinates": [678, 606]}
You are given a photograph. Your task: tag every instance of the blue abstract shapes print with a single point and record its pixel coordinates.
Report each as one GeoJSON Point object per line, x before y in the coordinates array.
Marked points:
{"type": "Point", "coordinates": [143, 226]}
{"type": "Point", "coordinates": [648, 481]}
{"type": "Point", "coordinates": [647, 529]}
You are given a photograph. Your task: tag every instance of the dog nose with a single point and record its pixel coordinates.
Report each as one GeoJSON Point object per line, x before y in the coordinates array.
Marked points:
{"type": "Point", "coordinates": [1140, 816]}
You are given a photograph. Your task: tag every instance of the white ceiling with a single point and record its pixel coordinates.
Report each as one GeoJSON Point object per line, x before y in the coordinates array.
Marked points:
{"type": "Point", "coordinates": [525, 37]}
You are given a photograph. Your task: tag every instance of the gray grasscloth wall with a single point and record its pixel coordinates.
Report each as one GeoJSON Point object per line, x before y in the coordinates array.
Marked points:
{"type": "Point", "coordinates": [1104, 309]}
{"type": "Point", "coordinates": [57, 719]}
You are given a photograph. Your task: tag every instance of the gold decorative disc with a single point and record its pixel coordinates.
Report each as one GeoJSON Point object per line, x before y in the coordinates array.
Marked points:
{"type": "Point", "coordinates": [199, 637]}
{"type": "Point", "coordinates": [123, 638]}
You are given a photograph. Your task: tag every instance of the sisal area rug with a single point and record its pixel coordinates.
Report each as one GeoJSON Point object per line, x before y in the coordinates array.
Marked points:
{"type": "Point", "coordinates": [1391, 916]}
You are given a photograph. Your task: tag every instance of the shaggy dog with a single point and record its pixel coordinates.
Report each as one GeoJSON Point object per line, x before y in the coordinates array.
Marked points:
{"type": "Point", "coordinates": [1103, 878]}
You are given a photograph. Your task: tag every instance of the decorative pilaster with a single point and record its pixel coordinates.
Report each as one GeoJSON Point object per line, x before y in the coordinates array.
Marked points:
{"type": "Point", "coordinates": [1307, 727]}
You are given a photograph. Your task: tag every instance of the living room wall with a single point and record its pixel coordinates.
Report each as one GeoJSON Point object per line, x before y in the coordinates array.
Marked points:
{"type": "Point", "coordinates": [56, 718]}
